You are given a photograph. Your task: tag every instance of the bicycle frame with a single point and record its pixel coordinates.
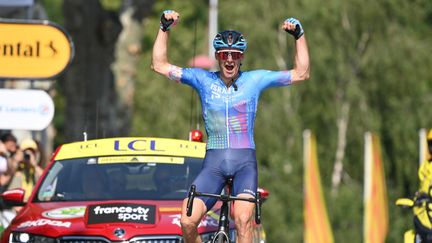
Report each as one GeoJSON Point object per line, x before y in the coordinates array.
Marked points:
{"type": "Point", "coordinates": [419, 206]}
{"type": "Point", "coordinates": [222, 234]}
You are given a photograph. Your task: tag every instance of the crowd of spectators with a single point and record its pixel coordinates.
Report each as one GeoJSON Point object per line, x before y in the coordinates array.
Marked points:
{"type": "Point", "coordinates": [20, 167]}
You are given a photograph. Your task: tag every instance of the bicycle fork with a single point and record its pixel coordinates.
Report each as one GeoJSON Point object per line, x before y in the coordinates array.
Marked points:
{"type": "Point", "coordinates": [223, 218]}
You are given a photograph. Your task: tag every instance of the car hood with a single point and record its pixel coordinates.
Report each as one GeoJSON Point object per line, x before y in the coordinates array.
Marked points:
{"type": "Point", "coordinates": [56, 219]}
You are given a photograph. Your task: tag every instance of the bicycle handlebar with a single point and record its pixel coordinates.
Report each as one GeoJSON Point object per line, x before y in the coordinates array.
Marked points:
{"type": "Point", "coordinates": [419, 201]}
{"type": "Point", "coordinates": [224, 198]}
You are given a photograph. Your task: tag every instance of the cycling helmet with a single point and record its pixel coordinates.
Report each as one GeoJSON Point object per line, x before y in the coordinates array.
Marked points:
{"type": "Point", "coordinates": [230, 39]}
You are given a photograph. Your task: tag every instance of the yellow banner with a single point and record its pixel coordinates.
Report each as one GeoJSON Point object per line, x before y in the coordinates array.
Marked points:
{"type": "Point", "coordinates": [131, 146]}
{"type": "Point", "coordinates": [316, 221]}
{"type": "Point", "coordinates": [375, 198]}
{"type": "Point", "coordinates": [33, 49]}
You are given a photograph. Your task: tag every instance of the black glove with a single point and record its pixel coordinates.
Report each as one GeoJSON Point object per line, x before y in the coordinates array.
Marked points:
{"type": "Point", "coordinates": [165, 24]}
{"type": "Point", "coordinates": [298, 31]}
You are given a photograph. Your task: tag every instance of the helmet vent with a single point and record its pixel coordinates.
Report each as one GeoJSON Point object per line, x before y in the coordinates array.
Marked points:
{"type": "Point", "coordinates": [230, 39]}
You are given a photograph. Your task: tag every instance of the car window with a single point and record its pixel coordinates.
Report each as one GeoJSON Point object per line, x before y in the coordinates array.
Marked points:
{"type": "Point", "coordinates": [85, 179]}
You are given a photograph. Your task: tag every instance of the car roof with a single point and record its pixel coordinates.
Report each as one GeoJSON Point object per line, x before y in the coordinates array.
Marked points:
{"type": "Point", "coordinates": [136, 146]}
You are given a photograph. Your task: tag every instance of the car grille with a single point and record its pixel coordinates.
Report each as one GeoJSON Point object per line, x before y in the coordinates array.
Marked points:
{"type": "Point", "coordinates": [143, 239]}
{"type": "Point", "coordinates": [161, 239]}
{"type": "Point", "coordinates": [157, 241]}
{"type": "Point", "coordinates": [82, 239]}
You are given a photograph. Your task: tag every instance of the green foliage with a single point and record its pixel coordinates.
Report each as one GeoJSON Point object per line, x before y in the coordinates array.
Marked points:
{"type": "Point", "coordinates": [113, 5]}
{"type": "Point", "coordinates": [53, 9]}
{"type": "Point", "coordinates": [163, 107]}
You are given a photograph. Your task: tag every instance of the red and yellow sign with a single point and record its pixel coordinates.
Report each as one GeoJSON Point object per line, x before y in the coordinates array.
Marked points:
{"type": "Point", "coordinates": [33, 49]}
{"type": "Point", "coordinates": [375, 198]}
{"type": "Point", "coordinates": [316, 221]}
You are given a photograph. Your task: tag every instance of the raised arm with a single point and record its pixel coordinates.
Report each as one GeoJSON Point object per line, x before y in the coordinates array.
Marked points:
{"type": "Point", "coordinates": [301, 68]}
{"type": "Point", "coordinates": [160, 63]}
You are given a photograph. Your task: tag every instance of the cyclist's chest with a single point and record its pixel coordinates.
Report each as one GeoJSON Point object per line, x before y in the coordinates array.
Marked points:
{"type": "Point", "coordinates": [216, 95]}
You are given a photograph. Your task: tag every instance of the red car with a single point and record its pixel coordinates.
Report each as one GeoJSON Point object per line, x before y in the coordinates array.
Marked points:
{"type": "Point", "coordinates": [113, 190]}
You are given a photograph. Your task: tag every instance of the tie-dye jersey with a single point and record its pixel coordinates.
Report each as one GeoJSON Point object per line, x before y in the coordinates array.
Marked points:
{"type": "Point", "coordinates": [229, 115]}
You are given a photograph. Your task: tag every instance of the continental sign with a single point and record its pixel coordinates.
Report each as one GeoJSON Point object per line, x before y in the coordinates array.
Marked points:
{"type": "Point", "coordinates": [33, 49]}
{"type": "Point", "coordinates": [132, 148]}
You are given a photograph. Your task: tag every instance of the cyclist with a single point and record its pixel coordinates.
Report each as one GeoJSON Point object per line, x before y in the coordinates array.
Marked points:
{"type": "Point", "coordinates": [421, 217]}
{"type": "Point", "coordinates": [229, 102]}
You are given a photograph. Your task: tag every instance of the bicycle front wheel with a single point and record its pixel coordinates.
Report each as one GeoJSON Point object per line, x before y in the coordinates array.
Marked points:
{"type": "Point", "coordinates": [221, 238]}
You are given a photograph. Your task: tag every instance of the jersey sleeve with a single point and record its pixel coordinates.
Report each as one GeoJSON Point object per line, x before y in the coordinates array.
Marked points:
{"type": "Point", "coordinates": [189, 76]}
{"type": "Point", "coordinates": [267, 79]}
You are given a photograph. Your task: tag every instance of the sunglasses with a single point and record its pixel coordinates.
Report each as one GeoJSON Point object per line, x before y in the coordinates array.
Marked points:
{"type": "Point", "coordinates": [235, 55]}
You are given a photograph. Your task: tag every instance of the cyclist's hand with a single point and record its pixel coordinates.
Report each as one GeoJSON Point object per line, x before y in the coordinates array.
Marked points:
{"type": "Point", "coordinates": [168, 18]}
{"type": "Point", "coordinates": [293, 27]}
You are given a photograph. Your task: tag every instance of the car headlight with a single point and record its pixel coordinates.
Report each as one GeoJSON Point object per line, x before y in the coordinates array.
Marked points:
{"type": "Point", "coordinates": [21, 237]}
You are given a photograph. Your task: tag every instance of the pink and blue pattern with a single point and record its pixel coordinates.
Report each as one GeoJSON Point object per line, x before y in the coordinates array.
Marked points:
{"type": "Point", "coordinates": [229, 115]}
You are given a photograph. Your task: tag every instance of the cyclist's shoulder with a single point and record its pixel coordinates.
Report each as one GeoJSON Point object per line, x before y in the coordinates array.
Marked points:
{"type": "Point", "coordinates": [256, 72]}
{"type": "Point", "coordinates": [196, 70]}
{"type": "Point", "coordinates": [200, 73]}
{"type": "Point", "coordinates": [198, 77]}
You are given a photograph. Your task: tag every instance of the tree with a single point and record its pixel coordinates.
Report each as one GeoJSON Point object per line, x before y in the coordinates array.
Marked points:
{"type": "Point", "coordinates": [99, 97]}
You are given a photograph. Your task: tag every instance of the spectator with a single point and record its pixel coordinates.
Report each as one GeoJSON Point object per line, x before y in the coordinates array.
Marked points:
{"type": "Point", "coordinates": [3, 158]}
{"type": "Point", "coordinates": [9, 151]}
{"type": "Point", "coordinates": [28, 170]}
{"type": "Point", "coordinates": [10, 143]}
{"type": "Point", "coordinates": [8, 156]}
{"type": "Point", "coordinates": [13, 156]}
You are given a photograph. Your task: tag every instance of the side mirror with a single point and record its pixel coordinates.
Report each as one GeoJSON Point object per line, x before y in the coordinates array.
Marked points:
{"type": "Point", "coordinates": [405, 202]}
{"type": "Point", "coordinates": [264, 193]}
{"type": "Point", "coordinates": [14, 197]}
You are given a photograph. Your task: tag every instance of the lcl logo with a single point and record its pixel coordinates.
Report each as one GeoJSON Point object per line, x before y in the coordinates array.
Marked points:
{"type": "Point", "coordinates": [136, 145]}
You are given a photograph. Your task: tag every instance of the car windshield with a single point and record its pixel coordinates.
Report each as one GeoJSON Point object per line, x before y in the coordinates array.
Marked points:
{"type": "Point", "coordinates": [119, 178]}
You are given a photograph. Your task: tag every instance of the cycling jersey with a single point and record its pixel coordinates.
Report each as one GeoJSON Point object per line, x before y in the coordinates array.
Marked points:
{"type": "Point", "coordinates": [425, 177]}
{"type": "Point", "coordinates": [229, 115]}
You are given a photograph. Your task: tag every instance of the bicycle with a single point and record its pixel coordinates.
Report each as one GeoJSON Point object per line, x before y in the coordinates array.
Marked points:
{"type": "Point", "coordinates": [422, 231]}
{"type": "Point", "coordinates": [222, 234]}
